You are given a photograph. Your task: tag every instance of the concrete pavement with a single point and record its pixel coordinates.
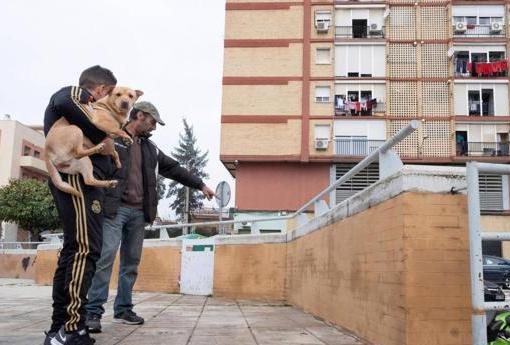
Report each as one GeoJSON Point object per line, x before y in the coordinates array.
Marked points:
{"type": "Point", "coordinates": [25, 312]}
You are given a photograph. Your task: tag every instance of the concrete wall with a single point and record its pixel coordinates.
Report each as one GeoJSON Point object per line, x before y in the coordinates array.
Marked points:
{"type": "Point", "coordinates": [159, 268]}
{"type": "Point", "coordinates": [268, 24]}
{"type": "Point", "coordinates": [400, 267]}
{"type": "Point", "coordinates": [261, 138]}
{"type": "Point", "coordinates": [272, 61]}
{"type": "Point", "coordinates": [18, 264]}
{"type": "Point", "coordinates": [251, 271]}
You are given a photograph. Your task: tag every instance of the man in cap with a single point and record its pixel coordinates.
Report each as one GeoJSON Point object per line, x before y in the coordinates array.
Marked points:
{"type": "Point", "coordinates": [127, 210]}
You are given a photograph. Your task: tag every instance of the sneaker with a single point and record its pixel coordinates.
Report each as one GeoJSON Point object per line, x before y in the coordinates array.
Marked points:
{"type": "Point", "coordinates": [128, 317]}
{"type": "Point", "coordinates": [75, 338]}
{"type": "Point", "coordinates": [93, 322]}
{"type": "Point", "coordinates": [49, 336]}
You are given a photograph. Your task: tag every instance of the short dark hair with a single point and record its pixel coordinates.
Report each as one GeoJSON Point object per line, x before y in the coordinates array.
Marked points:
{"type": "Point", "coordinates": [95, 76]}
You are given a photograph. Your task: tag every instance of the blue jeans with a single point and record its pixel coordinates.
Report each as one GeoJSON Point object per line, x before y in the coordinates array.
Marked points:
{"type": "Point", "coordinates": [126, 230]}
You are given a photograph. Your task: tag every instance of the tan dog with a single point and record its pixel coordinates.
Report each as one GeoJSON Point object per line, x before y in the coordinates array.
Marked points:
{"type": "Point", "coordinates": [67, 150]}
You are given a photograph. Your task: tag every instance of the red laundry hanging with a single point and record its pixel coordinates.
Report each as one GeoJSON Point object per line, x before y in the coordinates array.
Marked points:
{"type": "Point", "coordinates": [358, 107]}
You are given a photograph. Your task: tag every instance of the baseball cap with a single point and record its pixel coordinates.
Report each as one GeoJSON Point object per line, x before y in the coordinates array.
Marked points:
{"type": "Point", "coordinates": [149, 108]}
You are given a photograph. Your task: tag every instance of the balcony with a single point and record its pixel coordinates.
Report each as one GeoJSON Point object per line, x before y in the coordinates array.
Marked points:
{"type": "Point", "coordinates": [359, 108]}
{"type": "Point", "coordinates": [493, 69]}
{"type": "Point", "coordinates": [478, 31]}
{"type": "Point", "coordinates": [356, 147]}
{"type": "Point", "coordinates": [482, 149]}
{"type": "Point", "coordinates": [33, 164]}
{"type": "Point", "coordinates": [372, 31]}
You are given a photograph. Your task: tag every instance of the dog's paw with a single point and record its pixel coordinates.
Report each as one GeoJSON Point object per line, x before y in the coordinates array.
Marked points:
{"type": "Point", "coordinates": [100, 147]}
{"type": "Point", "coordinates": [127, 140]}
{"type": "Point", "coordinates": [113, 183]}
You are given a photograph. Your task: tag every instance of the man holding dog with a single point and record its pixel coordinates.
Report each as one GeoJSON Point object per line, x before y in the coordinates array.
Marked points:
{"type": "Point", "coordinates": [82, 218]}
{"type": "Point", "coordinates": [127, 209]}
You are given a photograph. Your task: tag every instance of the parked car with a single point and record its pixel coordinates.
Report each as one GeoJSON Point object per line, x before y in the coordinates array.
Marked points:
{"type": "Point", "coordinates": [492, 292]}
{"type": "Point", "coordinates": [496, 270]}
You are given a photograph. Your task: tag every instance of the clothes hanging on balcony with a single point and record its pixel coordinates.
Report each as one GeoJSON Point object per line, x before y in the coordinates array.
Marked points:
{"type": "Point", "coordinates": [461, 66]}
{"type": "Point", "coordinates": [484, 69]}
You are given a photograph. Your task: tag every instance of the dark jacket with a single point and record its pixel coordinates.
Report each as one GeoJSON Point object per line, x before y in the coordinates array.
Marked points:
{"type": "Point", "coordinates": [154, 163]}
{"type": "Point", "coordinates": [70, 102]}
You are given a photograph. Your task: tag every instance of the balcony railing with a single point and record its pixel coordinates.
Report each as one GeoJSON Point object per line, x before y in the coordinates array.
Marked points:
{"type": "Point", "coordinates": [483, 149]}
{"type": "Point", "coordinates": [352, 109]}
{"type": "Point", "coordinates": [478, 31]}
{"type": "Point", "coordinates": [464, 68]}
{"type": "Point", "coordinates": [356, 147]}
{"type": "Point", "coordinates": [359, 31]}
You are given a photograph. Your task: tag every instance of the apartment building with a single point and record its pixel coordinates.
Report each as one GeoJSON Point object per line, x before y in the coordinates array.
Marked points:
{"type": "Point", "coordinates": [311, 87]}
{"type": "Point", "coordinates": [21, 156]}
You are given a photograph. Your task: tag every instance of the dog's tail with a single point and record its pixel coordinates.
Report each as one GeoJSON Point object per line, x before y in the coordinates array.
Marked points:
{"type": "Point", "coordinates": [57, 179]}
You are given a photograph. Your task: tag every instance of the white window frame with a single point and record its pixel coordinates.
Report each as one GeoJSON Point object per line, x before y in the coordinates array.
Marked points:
{"type": "Point", "coordinates": [325, 127]}
{"type": "Point", "coordinates": [481, 86]}
{"type": "Point", "coordinates": [317, 62]}
{"type": "Point", "coordinates": [322, 99]}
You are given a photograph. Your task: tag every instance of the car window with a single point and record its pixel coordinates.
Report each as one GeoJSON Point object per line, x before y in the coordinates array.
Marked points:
{"type": "Point", "coordinates": [493, 261]}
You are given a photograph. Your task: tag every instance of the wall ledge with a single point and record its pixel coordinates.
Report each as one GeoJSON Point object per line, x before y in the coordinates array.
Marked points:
{"type": "Point", "coordinates": [411, 178]}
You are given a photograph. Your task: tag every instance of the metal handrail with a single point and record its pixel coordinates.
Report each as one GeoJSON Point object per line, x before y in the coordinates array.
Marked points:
{"type": "Point", "coordinates": [403, 133]}
{"type": "Point", "coordinates": [476, 234]}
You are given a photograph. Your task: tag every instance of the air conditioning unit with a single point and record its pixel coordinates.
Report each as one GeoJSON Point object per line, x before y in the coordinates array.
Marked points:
{"type": "Point", "coordinates": [460, 27]}
{"type": "Point", "coordinates": [321, 144]}
{"type": "Point", "coordinates": [322, 26]}
{"type": "Point", "coordinates": [374, 27]}
{"type": "Point", "coordinates": [496, 27]}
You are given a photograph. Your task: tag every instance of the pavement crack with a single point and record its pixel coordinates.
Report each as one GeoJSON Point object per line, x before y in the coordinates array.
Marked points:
{"type": "Point", "coordinates": [198, 319]}
{"type": "Point", "coordinates": [247, 324]}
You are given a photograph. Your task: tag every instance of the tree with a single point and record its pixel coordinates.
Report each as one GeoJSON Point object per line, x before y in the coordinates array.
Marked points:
{"type": "Point", "coordinates": [29, 204]}
{"type": "Point", "coordinates": [160, 187]}
{"type": "Point", "coordinates": [190, 157]}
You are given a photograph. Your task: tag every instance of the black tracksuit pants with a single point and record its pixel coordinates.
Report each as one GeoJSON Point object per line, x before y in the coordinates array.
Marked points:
{"type": "Point", "coordinates": [82, 220]}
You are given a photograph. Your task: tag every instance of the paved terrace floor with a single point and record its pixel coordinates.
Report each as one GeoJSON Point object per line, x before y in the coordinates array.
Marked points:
{"type": "Point", "coordinates": [171, 319]}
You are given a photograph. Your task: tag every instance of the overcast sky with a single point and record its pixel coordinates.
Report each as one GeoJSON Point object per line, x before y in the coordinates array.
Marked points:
{"type": "Point", "coordinates": [171, 50]}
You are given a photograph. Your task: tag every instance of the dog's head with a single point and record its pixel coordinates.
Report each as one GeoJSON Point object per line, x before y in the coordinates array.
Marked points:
{"type": "Point", "coordinates": [121, 99]}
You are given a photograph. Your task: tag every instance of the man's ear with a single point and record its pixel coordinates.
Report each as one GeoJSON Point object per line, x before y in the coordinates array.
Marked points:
{"type": "Point", "coordinates": [139, 93]}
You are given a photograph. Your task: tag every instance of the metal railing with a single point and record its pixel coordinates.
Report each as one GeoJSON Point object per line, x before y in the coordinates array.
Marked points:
{"type": "Point", "coordinates": [359, 32]}
{"type": "Point", "coordinates": [483, 149]}
{"type": "Point", "coordinates": [19, 245]}
{"type": "Point", "coordinates": [388, 160]}
{"type": "Point", "coordinates": [379, 107]}
{"type": "Point", "coordinates": [479, 31]}
{"type": "Point", "coordinates": [476, 235]}
{"type": "Point", "coordinates": [356, 147]}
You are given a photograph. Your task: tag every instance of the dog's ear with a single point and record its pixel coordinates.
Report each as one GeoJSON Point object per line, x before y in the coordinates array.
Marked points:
{"type": "Point", "coordinates": [139, 93]}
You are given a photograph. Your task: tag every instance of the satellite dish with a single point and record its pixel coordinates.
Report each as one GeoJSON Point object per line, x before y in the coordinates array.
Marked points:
{"type": "Point", "coordinates": [222, 194]}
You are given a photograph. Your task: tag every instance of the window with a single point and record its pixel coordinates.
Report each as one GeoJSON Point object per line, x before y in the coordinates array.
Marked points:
{"type": "Point", "coordinates": [322, 132]}
{"type": "Point", "coordinates": [496, 56]}
{"type": "Point", "coordinates": [322, 94]}
{"type": "Point", "coordinates": [359, 28]}
{"type": "Point", "coordinates": [323, 56]}
{"type": "Point", "coordinates": [27, 151]}
{"type": "Point", "coordinates": [484, 20]}
{"type": "Point", "coordinates": [481, 102]}
{"type": "Point", "coordinates": [37, 154]}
